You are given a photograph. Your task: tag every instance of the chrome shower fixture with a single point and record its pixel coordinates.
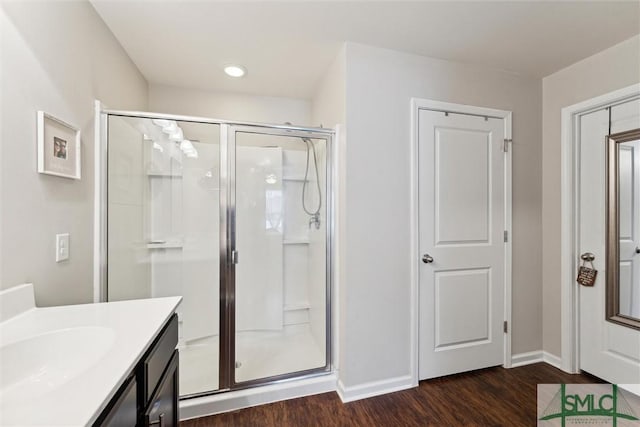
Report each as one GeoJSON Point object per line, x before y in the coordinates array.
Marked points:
{"type": "Point", "coordinates": [314, 215]}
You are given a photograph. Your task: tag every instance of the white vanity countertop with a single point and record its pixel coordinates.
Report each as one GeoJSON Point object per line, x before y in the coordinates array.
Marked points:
{"type": "Point", "coordinates": [103, 342]}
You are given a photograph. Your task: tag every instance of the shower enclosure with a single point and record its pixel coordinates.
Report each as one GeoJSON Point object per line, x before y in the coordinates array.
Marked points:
{"type": "Point", "coordinates": [236, 219]}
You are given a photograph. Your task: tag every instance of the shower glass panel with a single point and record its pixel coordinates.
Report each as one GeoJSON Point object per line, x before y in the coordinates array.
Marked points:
{"type": "Point", "coordinates": [163, 232]}
{"type": "Point", "coordinates": [280, 238]}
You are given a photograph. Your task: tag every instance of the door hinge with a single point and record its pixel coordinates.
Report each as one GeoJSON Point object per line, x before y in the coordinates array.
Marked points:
{"type": "Point", "coordinates": [505, 327]}
{"type": "Point", "coordinates": [506, 236]}
{"type": "Point", "coordinates": [505, 145]}
{"type": "Point", "coordinates": [234, 257]}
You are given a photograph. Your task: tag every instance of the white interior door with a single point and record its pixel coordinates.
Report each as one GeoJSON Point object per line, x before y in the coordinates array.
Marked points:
{"type": "Point", "coordinates": [462, 226]}
{"type": "Point", "coordinates": [607, 350]}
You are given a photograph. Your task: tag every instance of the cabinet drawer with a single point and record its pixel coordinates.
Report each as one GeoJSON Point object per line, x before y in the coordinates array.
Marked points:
{"type": "Point", "coordinates": [158, 358]}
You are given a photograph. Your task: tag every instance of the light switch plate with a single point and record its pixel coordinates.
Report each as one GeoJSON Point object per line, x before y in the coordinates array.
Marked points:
{"type": "Point", "coordinates": [62, 247]}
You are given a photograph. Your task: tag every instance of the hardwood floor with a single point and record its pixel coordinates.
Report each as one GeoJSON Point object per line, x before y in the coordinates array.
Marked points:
{"type": "Point", "coordinates": [488, 397]}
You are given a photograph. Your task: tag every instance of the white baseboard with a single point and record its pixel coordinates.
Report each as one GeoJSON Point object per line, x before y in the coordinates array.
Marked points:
{"type": "Point", "coordinates": [234, 400]}
{"type": "Point", "coordinates": [538, 356]}
{"type": "Point", "coordinates": [552, 360]}
{"type": "Point", "coordinates": [375, 388]}
{"type": "Point", "coordinates": [528, 358]}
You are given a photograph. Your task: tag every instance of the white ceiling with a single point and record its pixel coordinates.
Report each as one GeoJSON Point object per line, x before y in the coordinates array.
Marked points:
{"type": "Point", "coordinates": [288, 46]}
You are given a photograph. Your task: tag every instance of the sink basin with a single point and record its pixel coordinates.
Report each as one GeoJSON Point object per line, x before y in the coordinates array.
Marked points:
{"type": "Point", "coordinates": [40, 364]}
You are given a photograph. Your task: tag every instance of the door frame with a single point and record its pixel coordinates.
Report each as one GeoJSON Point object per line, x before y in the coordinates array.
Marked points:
{"type": "Point", "coordinates": [570, 211]}
{"type": "Point", "coordinates": [418, 104]}
{"type": "Point", "coordinates": [228, 234]}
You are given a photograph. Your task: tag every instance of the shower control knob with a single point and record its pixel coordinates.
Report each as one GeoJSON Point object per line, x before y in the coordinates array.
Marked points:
{"type": "Point", "coordinates": [427, 259]}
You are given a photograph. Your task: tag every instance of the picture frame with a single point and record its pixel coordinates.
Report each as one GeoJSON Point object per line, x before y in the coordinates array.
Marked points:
{"type": "Point", "coordinates": [59, 148]}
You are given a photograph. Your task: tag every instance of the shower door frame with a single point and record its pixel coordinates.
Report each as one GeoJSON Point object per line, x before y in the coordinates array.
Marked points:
{"type": "Point", "coordinates": [228, 131]}
{"type": "Point", "coordinates": [228, 286]}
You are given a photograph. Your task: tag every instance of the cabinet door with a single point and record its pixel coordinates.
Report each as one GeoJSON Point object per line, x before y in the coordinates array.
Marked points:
{"type": "Point", "coordinates": [163, 409]}
{"type": "Point", "coordinates": [124, 411]}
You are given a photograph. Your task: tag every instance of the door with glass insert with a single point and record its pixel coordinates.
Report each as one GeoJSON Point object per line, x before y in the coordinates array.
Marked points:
{"type": "Point", "coordinates": [163, 232]}
{"type": "Point", "coordinates": [235, 221]}
{"type": "Point", "coordinates": [279, 253]}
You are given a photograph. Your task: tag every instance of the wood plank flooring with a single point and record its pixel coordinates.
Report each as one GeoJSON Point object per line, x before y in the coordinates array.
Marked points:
{"type": "Point", "coordinates": [488, 397]}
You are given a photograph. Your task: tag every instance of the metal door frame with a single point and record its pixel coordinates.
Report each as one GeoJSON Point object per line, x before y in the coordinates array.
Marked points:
{"type": "Point", "coordinates": [228, 131]}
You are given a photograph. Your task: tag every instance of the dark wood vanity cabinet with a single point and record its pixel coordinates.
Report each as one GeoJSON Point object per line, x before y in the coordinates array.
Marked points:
{"type": "Point", "coordinates": [149, 395]}
{"type": "Point", "coordinates": [124, 408]}
{"type": "Point", "coordinates": [163, 408]}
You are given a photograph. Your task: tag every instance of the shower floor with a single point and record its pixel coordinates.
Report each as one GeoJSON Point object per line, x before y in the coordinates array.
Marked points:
{"type": "Point", "coordinates": [260, 354]}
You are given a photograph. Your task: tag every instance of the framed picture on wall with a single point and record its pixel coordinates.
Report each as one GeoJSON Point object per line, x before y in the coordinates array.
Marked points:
{"type": "Point", "coordinates": [58, 147]}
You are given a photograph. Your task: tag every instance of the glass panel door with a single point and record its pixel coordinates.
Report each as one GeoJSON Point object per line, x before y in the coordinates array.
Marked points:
{"type": "Point", "coordinates": [163, 232]}
{"type": "Point", "coordinates": [196, 208]}
{"type": "Point", "coordinates": [280, 318]}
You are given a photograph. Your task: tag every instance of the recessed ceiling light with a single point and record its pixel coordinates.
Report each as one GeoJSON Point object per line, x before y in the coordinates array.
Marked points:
{"type": "Point", "coordinates": [235, 70]}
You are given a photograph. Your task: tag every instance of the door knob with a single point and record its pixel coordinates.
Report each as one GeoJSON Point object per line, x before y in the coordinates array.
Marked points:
{"type": "Point", "coordinates": [427, 259]}
{"type": "Point", "coordinates": [587, 256]}
{"type": "Point", "coordinates": [638, 250]}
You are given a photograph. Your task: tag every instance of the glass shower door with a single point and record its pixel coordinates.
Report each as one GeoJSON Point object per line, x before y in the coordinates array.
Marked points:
{"type": "Point", "coordinates": [235, 220]}
{"type": "Point", "coordinates": [163, 232]}
{"type": "Point", "coordinates": [280, 271]}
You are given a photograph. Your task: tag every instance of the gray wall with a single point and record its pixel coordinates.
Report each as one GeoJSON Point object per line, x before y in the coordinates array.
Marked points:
{"type": "Point", "coordinates": [57, 57]}
{"type": "Point", "coordinates": [614, 68]}
{"type": "Point", "coordinates": [376, 296]}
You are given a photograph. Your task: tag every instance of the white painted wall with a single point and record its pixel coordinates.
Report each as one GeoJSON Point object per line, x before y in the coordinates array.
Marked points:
{"type": "Point", "coordinates": [375, 332]}
{"type": "Point", "coordinates": [56, 57]}
{"type": "Point", "coordinates": [228, 106]}
{"type": "Point", "coordinates": [609, 70]}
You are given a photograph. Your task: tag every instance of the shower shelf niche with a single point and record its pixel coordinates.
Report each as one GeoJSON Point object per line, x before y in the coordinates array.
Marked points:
{"type": "Point", "coordinates": [296, 178]}
{"type": "Point", "coordinates": [296, 241]}
{"type": "Point", "coordinates": [163, 175]}
{"type": "Point", "coordinates": [296, 313]}
{"type": "Point", "coordinates": [168, 244]}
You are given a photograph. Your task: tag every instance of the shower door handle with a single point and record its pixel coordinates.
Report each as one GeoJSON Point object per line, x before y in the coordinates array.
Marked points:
{"type": "Point", "coordinates": [234, 257]}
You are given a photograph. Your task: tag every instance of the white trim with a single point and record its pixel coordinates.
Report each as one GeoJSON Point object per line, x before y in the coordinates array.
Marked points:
{"type": "Point", "coordinates": [414, 309]}
{"type": "Point", "coordinates": [552, 359]}
{"type": "Point", "coordinates": [508, 248]}
{"type": "Point", "coordinates": [97, 194]}
{"type": "Point", "coordinates": [374, 388]}
{"type": "Point", "coordinates": [336, 253]}
{"type": "Point", "coordinates": [234, 400]}
{"type": "Point", "coordinates": [538, 356]}
{"type": "Point", "coordinates": [416, 105]}
{"type": "Point", "coordinates": [523, 359]}
{"type": "Point", "coordinates": [569, 290]}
